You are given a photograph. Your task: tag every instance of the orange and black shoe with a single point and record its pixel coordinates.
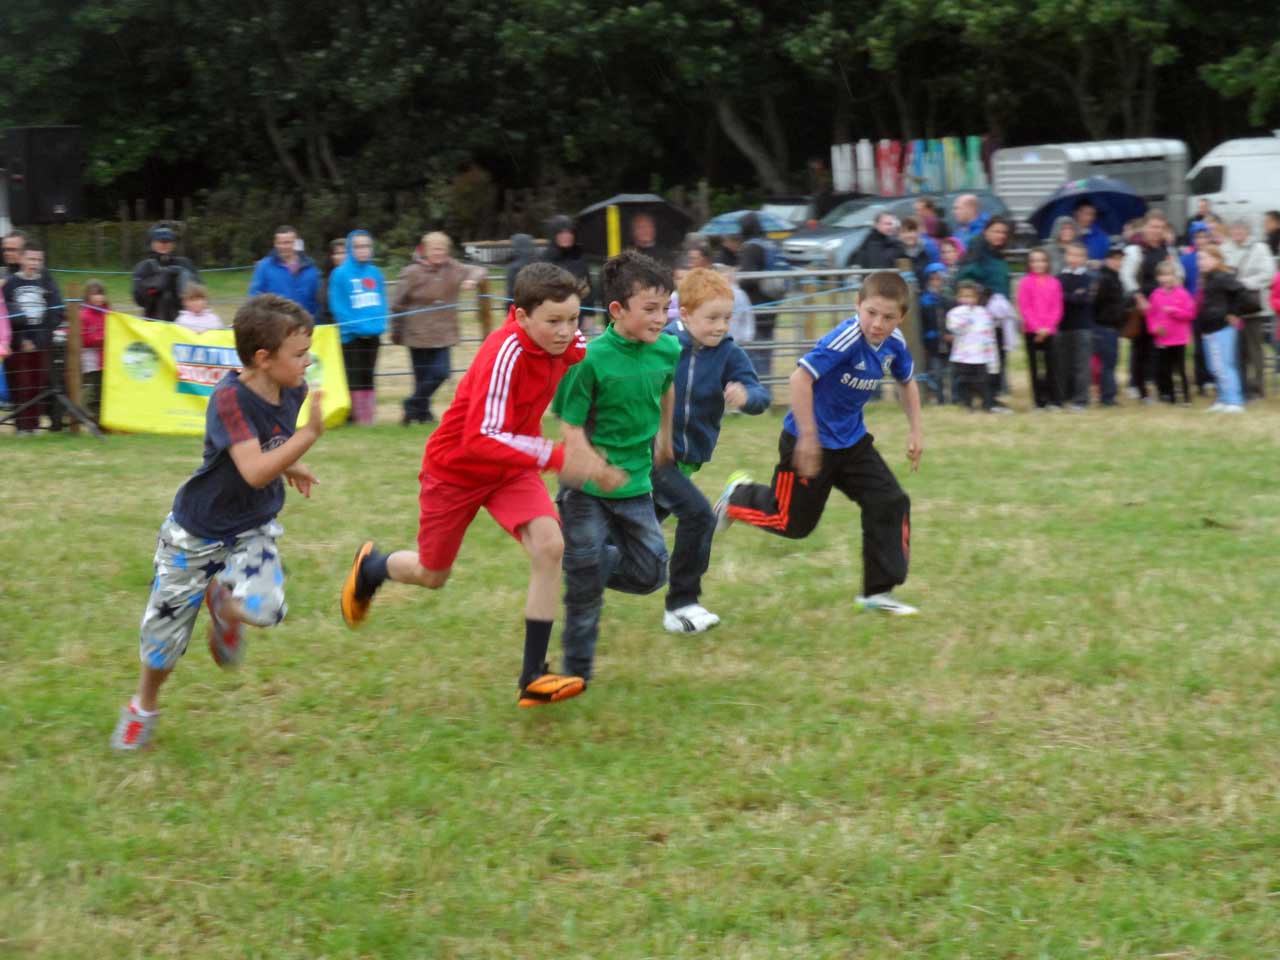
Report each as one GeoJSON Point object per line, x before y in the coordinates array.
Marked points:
{"type": "Point", "coordinates": [549, 688]}
{"type": "Point", "coordinates": [357, 592]}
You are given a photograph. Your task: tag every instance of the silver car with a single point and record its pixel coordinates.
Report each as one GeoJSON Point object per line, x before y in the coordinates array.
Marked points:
{"type": "Point", "coordinates": [839, 236]}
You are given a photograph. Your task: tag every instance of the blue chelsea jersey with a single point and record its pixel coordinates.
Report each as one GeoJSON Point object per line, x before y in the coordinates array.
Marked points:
{"type": "Point", "coordinates": [847, 371]}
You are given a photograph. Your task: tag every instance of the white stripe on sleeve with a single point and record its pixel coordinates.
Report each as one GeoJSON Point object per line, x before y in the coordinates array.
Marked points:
{"type": "Point", "coordinates": [495, 403]}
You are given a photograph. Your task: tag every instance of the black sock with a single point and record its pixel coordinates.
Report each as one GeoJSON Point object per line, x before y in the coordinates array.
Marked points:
{"type": "Point", "coordinates": [373, 572]}
{"type": "Point", "coordinates": [537, 637]}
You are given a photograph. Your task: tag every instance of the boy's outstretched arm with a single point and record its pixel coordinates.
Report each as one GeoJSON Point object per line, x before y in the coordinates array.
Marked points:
{"type": "Point", "coordinates": [740, 371]}
{"type": "Point", "coordinates": [259, 467]}
{"type": "Point", "coordinates": [663, 448]}
{"type": "Point", "coordinates": [915, 438]}
{"type": "Point", "coordinates": [582, 463]}
{"type": "Point", "coordinates": [807, 457]}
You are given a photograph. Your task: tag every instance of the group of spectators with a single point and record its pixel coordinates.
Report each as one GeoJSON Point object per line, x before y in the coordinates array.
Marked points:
{"type": "Point", "coordinates": [1216, 290]}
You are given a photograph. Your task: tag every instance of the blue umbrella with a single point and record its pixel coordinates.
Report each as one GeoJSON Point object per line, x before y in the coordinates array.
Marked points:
{"type": "Point", "coordinates": [726, 225]}
{"type": "Point", "coordinates": [1117, 203]}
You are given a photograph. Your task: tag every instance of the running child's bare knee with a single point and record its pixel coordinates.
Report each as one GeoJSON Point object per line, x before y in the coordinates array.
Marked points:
{"type": "Point", "coordinates": [431, 579]}
{"type": "Point", "coordinates": [545, 544]}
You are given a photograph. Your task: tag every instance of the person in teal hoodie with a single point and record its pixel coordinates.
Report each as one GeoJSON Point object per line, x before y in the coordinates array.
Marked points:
{"type": "Point", "coordinates": [358, 304]}
{"type": "Point", "coordinates": [713, 375]}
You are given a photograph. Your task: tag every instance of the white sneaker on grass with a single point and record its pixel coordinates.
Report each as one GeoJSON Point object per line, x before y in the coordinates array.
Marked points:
{"type": "Point", "coordinates": [1215, 407]}
{"type": "Point", "coordinates": [886, 603]}
{"type": "Point", "coordinates": [694, 618]}
{"type": "Point", "coordinates": [721, 511]}
{"type": "Point", "coordinates": [1231, 408]}
{"type": "Point", "coordinates": [133, 730]}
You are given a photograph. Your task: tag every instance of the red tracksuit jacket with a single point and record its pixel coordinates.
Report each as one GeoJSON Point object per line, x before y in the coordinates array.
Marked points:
{"type": "Point", "coordinates": [493, 428]}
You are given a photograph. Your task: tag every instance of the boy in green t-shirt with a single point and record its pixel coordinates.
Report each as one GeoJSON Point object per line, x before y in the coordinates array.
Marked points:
{"type": "Point", "coordinates": [619, 398]}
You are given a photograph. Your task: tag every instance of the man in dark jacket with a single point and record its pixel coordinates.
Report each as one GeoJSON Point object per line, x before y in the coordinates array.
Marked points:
{"type": "Point", "coordinates": [158, 281]}
{"type": "Point", "coordinates": [644, 239]}
{"type": "Point", "coordinates": [1108, 320]}
{"type": "Point", "coordinates": [881, 250]}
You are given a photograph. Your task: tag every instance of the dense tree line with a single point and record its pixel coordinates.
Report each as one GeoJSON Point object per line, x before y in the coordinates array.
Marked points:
{"type": "Point", "coordinates": [359, 95]}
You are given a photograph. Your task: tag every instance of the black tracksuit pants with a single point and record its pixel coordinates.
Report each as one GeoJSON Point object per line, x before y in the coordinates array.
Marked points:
{"type": "Point", "coordinates": [791, 506]}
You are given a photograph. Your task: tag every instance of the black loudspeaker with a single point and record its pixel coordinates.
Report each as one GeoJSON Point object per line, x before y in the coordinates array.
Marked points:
{"type": "Point", "coordinates": [43, 166]}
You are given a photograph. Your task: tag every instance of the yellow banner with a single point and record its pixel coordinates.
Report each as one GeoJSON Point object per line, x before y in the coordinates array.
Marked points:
{"type": "Point", "coordinates": [157, 377]}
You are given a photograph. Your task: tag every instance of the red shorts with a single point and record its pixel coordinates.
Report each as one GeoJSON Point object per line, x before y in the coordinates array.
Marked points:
{"type": "Point", "coordinates": [447, 509]}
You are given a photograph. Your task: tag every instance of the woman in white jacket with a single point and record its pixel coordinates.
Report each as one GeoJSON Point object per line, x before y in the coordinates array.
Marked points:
{"type": "Point", "coordinates": [1255, 269]}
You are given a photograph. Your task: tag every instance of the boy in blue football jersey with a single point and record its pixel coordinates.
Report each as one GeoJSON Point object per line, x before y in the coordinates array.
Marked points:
{"type": "Point", "coordinates": [825, 444]}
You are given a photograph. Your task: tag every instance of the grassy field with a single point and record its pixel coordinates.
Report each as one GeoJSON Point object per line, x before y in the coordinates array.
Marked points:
{"type": "Point", "coordinates": [1073, 752]}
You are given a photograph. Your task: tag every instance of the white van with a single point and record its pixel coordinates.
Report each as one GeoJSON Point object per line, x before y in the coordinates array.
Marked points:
{"type": "Point", "coordinates": [1240, 179]}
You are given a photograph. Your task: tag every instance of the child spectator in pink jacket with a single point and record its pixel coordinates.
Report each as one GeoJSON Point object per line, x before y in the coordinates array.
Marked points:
{"type": "Point", "coordinates": [1170, 311]}
{"type": "Point", "coordinates": [1040, 303]}
{"type": "Point", "coordinates": [93, 327]}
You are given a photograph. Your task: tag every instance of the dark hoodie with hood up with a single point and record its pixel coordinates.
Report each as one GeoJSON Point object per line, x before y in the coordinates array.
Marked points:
{"type": "Point", "coordinates": [570, 258]}
{"type": "Point", "coordinates": [523, 254]}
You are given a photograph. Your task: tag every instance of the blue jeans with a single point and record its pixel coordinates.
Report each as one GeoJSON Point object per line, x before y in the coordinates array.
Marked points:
{"type": "Point", "coordinates": [673, 492]}
{"type": "Point", "coordinates": [1106, 345]}
{"type": "Point", "coordinates": [607, 543]}
{"type": "Point", "coordinates": [1220, 350]}
{"type": "Point", "coordinates": [430, 369]}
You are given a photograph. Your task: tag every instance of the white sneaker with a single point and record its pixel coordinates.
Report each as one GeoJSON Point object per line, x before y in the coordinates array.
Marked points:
{"type": "Point", "coordinates": [695, 618]}
{"type": "Point", "coordinates": [1232, 408]}
{"type": "Point", "coordinates": [885, 603]}
{"type": "Point", "coordinates": [1215, 407]}
{"type": "Point", "coordinates": [721, 511]}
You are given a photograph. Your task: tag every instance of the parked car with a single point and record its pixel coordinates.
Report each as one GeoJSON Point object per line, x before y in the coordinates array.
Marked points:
{"type": "Point", "coordinates": [805, 209]}
{"type": "Point", "coordinates": [838, 238]}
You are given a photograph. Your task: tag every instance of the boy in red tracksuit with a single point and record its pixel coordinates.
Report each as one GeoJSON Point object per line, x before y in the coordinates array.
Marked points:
{"type": "Point", "coordinates": [488, 452]}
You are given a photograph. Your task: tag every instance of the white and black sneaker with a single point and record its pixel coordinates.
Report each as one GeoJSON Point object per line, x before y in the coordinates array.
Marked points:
{"type": "Point", "coordinates": [885, 603]}
{"type": "Point", "coordinates": [694, 618]}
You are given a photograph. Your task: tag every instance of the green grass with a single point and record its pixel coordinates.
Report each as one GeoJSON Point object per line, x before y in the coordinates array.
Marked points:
{"type": "Point", "coordinates": [1071, 753]}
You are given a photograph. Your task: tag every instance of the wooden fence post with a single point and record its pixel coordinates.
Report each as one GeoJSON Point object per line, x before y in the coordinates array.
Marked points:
{"type": "Point", "coordinates": [71, 369]}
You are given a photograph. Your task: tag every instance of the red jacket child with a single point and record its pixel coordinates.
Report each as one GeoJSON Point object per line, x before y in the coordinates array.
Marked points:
{"type": "Point", "coordinates": [493, 428]}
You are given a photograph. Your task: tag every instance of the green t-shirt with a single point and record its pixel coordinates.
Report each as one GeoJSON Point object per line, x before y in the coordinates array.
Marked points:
{"type": "Point", "coordinates": [615, 394]}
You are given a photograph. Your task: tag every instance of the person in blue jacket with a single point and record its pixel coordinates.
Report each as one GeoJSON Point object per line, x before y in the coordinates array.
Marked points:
{"type": "Point", "coordinates": [358, 303]}
{"type": "Point", "coordinates": [287, 272]}
{"type": "Point", "coordinates": [713, 375]}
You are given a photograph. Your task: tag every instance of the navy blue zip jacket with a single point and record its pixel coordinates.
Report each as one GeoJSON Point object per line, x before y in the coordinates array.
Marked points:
{"type": "Point", "coordinates": [702, 373]}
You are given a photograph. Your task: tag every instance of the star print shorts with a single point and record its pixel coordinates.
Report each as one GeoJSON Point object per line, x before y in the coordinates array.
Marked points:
{"type": "Point", "coordinates": [248, 563]}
